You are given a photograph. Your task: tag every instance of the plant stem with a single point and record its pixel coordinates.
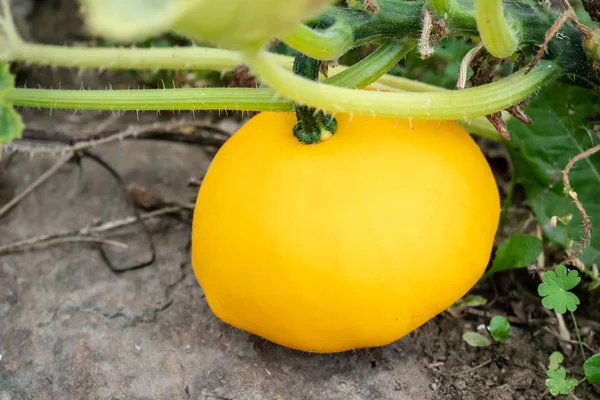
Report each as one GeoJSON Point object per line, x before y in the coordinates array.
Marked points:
{"type": "Point", "coordinates": [497, 34]}
{"type": "Point", "coordinates": [347, 28]}
{"type": "Point", "coordinates": [480, 126]}
{"type": "Point", "coordinates": [152, 99]}
{"type": "Point", "coordinates": [372, 67]}
{"type": "Point", "coordinates": [179, 99]}
{"type": "Point", "coordinates": [321, 44]}
{"type": "Point", "coordinates": [442, 7]}
{"type": "Point", "coordinates": [463, 104]}
{"type": "Point", "coordinates": [127, 58]}
{"type": "Point", "coordinates": [454, 104]}
{"type": "Point", "coordinates": [170, 58]}
{"type": "Point", "coordinates": [578, 335]}
{"type": "Point", "coordinates": [312, 125]}
{"type": "Point", "coordinates": [357, 76]}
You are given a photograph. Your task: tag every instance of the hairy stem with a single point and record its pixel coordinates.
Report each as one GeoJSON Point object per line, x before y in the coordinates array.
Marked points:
{"type": "Point", "coordinates": [498, 35]}
{"type": "Point", "coordinates": [128, 58]}
{"type": "Point", "coordinates": [312, 126]}
{"type": "Point", "coordinates": [321, 44]}
{"type": "Point", "coordinates": [179, 99]}
{"type": "Point", "coordinates": [442, 7]}
{"type": "Point", "coordinates": [346, 29]}
{"type": "Point", "coordinates": [244, 99]}
{"type": "Point", "coordinates": [460, 104]}
{"type": "Point", "coordinates": [372, 67]}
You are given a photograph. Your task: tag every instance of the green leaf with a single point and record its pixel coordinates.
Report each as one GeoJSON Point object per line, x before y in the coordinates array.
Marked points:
{"type": "Point", "coordinates": [557, 382]}
{"type": "Point", "coordinates": [476, 339]}
{"type": "Point", "coordinates": [540, 151]}
{"type": "Point", "coordinates": [555, 290]}
{"type": "Point", "coordinates": [11, 124]}
{"type": "Point", "coordinates": [499, 328]}
{"type": "Point", "coordinates": [471, 300]}
{"type": "Point", "coordinates": [7, 80]}
{"type": "Point", "coordinates": [237, 24]}
{"type": "Point", "coordinates": [556, 359]}
{"type": "Point", "coordinates": [518, 251]}
{"type": "Point", "coordinates": [592, 369]}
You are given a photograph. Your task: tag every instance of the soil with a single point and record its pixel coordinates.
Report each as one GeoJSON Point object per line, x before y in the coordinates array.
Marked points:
{"type": "Point", "coordinates": [72, 328]}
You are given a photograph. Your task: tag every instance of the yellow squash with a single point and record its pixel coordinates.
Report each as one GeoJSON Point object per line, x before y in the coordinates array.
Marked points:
{"type": "Point", "coordinates": [349, 243]}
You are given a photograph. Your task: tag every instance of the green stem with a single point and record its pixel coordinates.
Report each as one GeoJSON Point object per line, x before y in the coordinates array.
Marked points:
{"type": "Point", "coordinates": [177, 58]}
{"type": "Point", "coordinates": [349, 28]}
{"type": "Point", "coordinates": [442, 7]}
{"type": "Point", "coordinates": [358, 76]}
{"type": "Point", "coordinates": [578, 335]}
{"type": "Point", "coordinates": [245, 99]}
{"type": "Point", "coordinates": [372, 67]}
{"type": "Point", "coordinates": [321, 44]}
{"type": "Point", "coordinates": [174, 58]}
{"type": "Point", "coordinates": [481, 126]}
{"type": "Point", "coordinates": [466, 103]}
{"type": "Point", "coordinates": [312, 126]}
{"type": "Point", "coordinates": [595, 280]}
{"type": "Point", "coordinates": [177, 99]}
{"type": "Point", "coordinates": [498, 35]}
{"type": "Point", "coordinates": [454, 104]}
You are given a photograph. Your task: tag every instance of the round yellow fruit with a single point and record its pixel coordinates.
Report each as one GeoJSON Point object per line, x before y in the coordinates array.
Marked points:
{"type": "Point", "coordinates": [352, 242]}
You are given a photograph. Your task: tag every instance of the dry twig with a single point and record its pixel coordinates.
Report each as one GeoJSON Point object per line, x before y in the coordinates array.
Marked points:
{"type": "Point", "coordinates": [500, 125]}
{"type": "Point", "coordinates": [425, 48]}
{"type": "Point", "coordinates": [568, 14]}
{"type": "Point", "coordinates": [587, 225]}
{"type": "Point", "coordinates": [371, 6]}
{"type": "Point", "coordinates": [483, 364]}
{"type": "Point", "coordinates": [464, 65]}
{"type": "Point", "coordinates": [518, 113]}
{"type": "Point", "coordinates": [86, 233]}
{"type": "Point", "coordinates": [60, 147]}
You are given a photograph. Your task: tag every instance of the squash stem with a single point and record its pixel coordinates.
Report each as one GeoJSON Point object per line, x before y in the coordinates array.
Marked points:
{"type": "Point", "coordinates": [499, 34]}
{"type": "Point", "coordinates": [453, 104]}
{"type": "Point", "coordinates": [313, 125]}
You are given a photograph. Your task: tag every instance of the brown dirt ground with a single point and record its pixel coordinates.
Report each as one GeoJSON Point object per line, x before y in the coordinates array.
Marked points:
{"type": "Point", "coordinates": [72, 329]}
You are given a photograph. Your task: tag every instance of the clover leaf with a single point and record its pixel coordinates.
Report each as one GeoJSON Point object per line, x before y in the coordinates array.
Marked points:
{"type": "Point", "coordinates": [558, 383]}
{"type": "Point", "coordinates": [555, 290]}
{"type": "Point", "coordinates": [556, 359]}
{"type": "Point", "coordinates": [499, 328]}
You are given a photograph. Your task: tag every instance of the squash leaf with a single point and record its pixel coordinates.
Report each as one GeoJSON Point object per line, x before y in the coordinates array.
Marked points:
{"type": "Point", "coordinates": [236, 24]}
{"type": "Point", "coordinates": [540, 151]}
{"type": "Point", "coordinates": [518, 251]}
